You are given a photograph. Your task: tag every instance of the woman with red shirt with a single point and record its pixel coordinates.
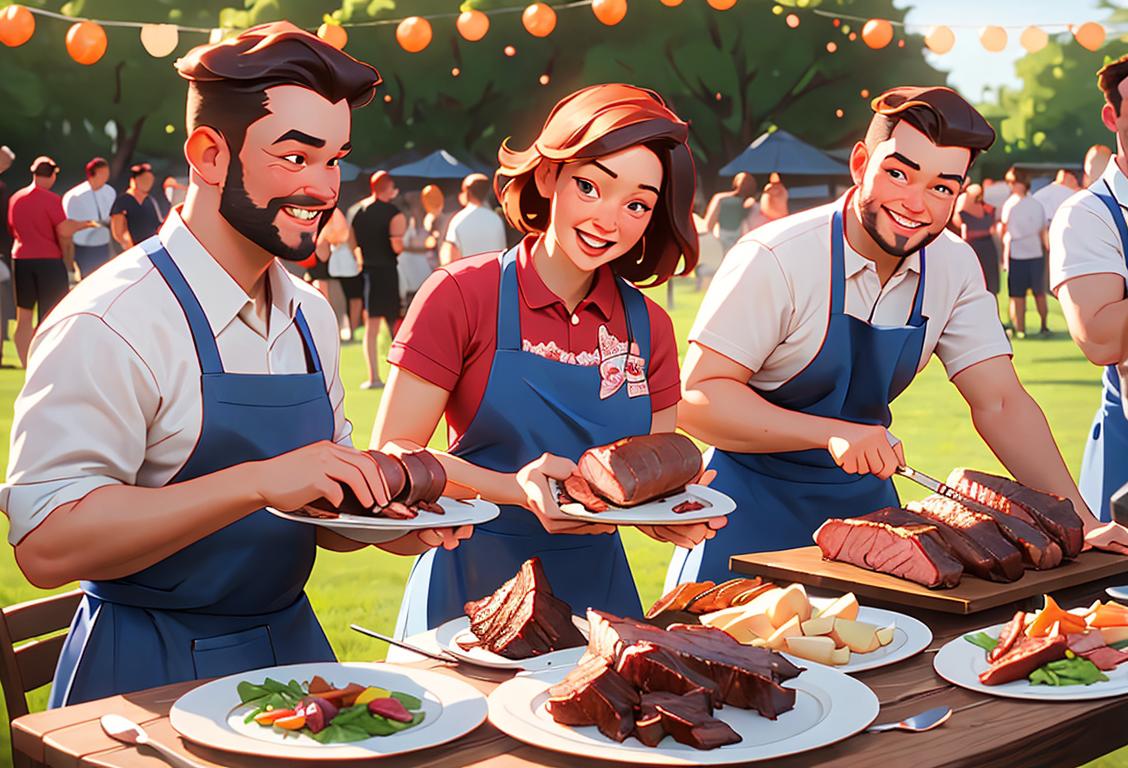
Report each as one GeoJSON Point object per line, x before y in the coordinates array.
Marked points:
{"type": "Point", "coordinates": [539, 353]}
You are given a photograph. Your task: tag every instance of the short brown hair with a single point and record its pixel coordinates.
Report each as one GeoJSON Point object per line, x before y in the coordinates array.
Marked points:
{"type": "Point", "coordinates": [941, 114]}
{"type": "Point", "coordinates": [477, 186]}
{"type": "Point", "coordinates": [1110, 77]}
{"type": "Point", "coordinates": [601, 120]}
{"type": "Point", "coordinates": [1017, 176]}
{"type": "Point", "coordinates": [227, 81]}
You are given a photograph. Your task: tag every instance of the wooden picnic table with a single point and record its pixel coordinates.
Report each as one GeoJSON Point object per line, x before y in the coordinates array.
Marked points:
{"type": "Point", "coordinates": [983, 731]}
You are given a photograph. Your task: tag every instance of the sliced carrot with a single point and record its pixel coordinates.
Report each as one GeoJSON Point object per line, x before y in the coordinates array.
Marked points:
{"type": "Point", "coordinates": [1110, 615]}
{"type": "Point", "coordinates": [268, 717]}
{"type": "Point", "coordinates": [292, 723]}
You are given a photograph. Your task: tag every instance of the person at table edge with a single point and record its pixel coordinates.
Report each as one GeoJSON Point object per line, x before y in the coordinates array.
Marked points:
{"type": "Point", "coordinates": [536, 354]}
{"type": "Point", "coordinates": [212, 391]}
{"type": "Point", "coordinates": [1088, 249]}
{"type": "Point", "coordinates": [817, 321]}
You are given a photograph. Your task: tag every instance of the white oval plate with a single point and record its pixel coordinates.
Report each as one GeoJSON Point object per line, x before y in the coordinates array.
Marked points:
{"type": "Point", "coordinates": [376, 530]}
{"type": "Point", "coordinates": [959, 662]}
{"type": "Point", "coordinates": [910, 637]}
{"type": "Point", "coordinates": [659, 512]}
{"type": "Point", "coordinates": [211, 714]}
{"type": "Point", "coordinates": [448, 635]}
{"type": "Point", "coordinates": [829, 707]}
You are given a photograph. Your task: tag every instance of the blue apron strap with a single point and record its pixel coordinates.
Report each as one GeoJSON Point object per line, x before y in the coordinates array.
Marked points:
{"type": "Point", "coordinates": [508, 304]}
{"type": "Point", "coordinates": [837, 266]}
{"type": "Point", "coordinates": [312, 357]}
{"type": "Point", "coordinates": [638, 319]}
{"type": "Point", "coordinates": [202, 338]}
{"type": "Point", "coordinates": [917, 314]}
{"type": "Point", "coordinates": [1117, 216]}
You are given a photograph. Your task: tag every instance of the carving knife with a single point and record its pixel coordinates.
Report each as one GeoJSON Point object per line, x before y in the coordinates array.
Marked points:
{"type": "Point", "coordinates": [933, 485]}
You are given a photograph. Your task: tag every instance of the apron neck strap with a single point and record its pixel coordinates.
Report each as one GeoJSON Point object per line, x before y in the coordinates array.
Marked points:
{"type": "Point", "coordinates": [313, 360]}
{"type": "Point", "coordinates": [838, 274]}
{"type": "Point", "coordinates": [202, 337]}
{"type": "Point", "coordinates": [918, 300]}
{"type": "Point", "coordinates": [637, 317]}
{"type": "Point", "coordinates": [508, 303]}
{"type": "Point", "coordinates": [1113, 206]}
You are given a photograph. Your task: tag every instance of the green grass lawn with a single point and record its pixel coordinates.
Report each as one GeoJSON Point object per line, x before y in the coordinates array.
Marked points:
{"type": "Point", "coordinates": [365, 587]}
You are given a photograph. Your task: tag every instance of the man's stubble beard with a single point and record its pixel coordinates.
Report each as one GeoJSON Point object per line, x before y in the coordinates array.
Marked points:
{"type": "Point", "coordinates": [867, 214]}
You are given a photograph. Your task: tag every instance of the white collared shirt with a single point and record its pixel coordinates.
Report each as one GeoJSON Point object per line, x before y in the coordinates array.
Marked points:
{"type": "Point", "coordinates": [476, 229]}
{"type": "Point", "coordinates": [768, 306]}
{"type": "Point", "coordinates": [82, 203]}
{"type": "Point", "coordinates": [1084, 239]}
{"type": "Point", "coordinates": [1024, 218]}
{"type": "Point", "coordinates": [112, 394]}
{"type": "Point", "coordinates": [1051, 196]}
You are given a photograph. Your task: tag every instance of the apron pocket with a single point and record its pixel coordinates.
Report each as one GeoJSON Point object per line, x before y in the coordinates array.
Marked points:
{"type": "Point", "coordinates": [231, 653]}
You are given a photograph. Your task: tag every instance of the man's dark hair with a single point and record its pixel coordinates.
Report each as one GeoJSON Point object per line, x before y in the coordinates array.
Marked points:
{"type": "Point", "coordinates": [227, 81]}
{"type": "Point", "coordinates": [96, 164]}
{"type": "Point", "coordinates": [1017, 176]}
{"type": "Point", "coordinates": [479, 188]}
{"type": "Point", "coordinates": [138, 169]}
{"type": "Point", "coordinates": [941, 114]}
{"type": "Point", "coordinates": [1110, 77]}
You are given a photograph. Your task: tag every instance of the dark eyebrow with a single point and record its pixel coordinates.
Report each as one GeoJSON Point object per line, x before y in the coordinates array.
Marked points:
{"type": "Point", "coordinates": [605, 169]}
{"type": "Point", "coordinates": [346, 147]}
{"type": "Point", "coordinates": [905, 160]}
{"type": "Point", "coordinates": [647, 186]}
{"type": "Point", "coordinates": [952, 177]}
{"type": "Point", "coordinates": [304, 138]}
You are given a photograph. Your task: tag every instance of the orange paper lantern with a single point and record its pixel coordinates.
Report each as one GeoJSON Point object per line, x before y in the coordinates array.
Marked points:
{"type": "Point", "coordinates": [609, 12]}
{"type": "Point", "coordinates": [473, 25]}
{"type": "Point", "coordinates": [539, 19]}
{"type": "Point", "coordinates": [334, 34]}
{"type": "Point", "coordinates": [17, 24]}
{"type": "Point", "coordinates": [671, 3]}
{"type": "Point", "coordinates": [413, 34]}
{"type": "Point", "coordinates": [721, 5]}
{"type": "Point", "coordinates": [1034, 39]}
{"type": "Point", "coordinates": [877, 33]}
{"type": "Point", "coordinates": [1090, 35]}
{"type": "Point", "coordinates": [86, 42]}
{"type": "Point", "coordinates": [432, 198]}
{"type": "Point", "coordinates": [792, 20]}
{"type": "Point", "coordinates": [994, 39]}
{"type": "Point", "coordinates": [940, 39]}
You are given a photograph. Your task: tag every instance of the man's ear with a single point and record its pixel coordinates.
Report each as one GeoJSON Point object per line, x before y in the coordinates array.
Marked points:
{"type": "Point", "coordinates": [545, 176]}
{"type": "Point", "coordinates": [207, 154]}
{"type": "Point", "coordinates": [1108, 116]}
{"type": "Point", "coordinates": [859, 157]}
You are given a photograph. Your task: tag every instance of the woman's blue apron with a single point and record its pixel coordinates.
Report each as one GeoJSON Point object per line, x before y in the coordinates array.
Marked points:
{"type": "Point", "coordinates": [781, 498]}
{"type": "Point", "coordinates": [233, 600]}
{"type": "Point", "coordinates": [1104, 468]}
{"type": "Point", "coordinates": [533, 405]}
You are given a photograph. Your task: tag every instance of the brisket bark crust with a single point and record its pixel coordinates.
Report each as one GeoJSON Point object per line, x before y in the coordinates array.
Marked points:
{"type": "Point", "coordinates": [1038, 550]}
{"type": "Point", "coordinates": [637, 469]}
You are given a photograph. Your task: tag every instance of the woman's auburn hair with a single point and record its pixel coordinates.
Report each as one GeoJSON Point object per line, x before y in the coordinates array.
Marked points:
{"type": "Point", "coordinates": [595, 122]}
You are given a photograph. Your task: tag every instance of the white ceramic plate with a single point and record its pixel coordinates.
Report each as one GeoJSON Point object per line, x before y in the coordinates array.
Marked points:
{"type": "Point", "coordinates": [448, 635]}
{"type": "Point", "coordinates": [829, 707]}
{"type": "Point", "coordinates": [959, 662]}
{"type": "Point", "coordinates": [1118, 593]}
{"type": "Point", "coordinates": [211, 714]}
{"type": "Point", "coordinates": [375, 530]}
{"type": "Point", "coordinates": [910, 637]}
{"type": "Point", "coordinates": [660, 512]}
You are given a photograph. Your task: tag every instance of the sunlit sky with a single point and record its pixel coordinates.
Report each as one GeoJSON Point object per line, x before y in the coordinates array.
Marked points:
{"type": "Point", "coordinates": [970, 67]}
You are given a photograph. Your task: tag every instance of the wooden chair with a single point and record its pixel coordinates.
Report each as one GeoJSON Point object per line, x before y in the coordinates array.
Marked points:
{"type": "Point", "coordinates": [30, 665]}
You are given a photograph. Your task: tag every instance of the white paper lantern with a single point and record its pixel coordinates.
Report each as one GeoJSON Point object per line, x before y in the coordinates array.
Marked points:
{"type": "Point", "coordinates": [1034, 39]}
{"type": "Point", "coordinates": [994, 39]}
{"type": "Point", "coordinates": [160, 39]}
{"type": "Point", "coordinates": [940, 39]}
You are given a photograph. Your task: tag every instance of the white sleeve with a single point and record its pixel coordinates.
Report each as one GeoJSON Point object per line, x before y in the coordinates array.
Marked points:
{"type": "Point", "coordinates": [70, 206]}
{"type": "Point", "coordinates": [452, 231]}
{"type": "Point", "coordinates": [1084, 241]}
{"type": "Point", "coordinates": [973, 332]}
{"type": "Point", "coordinates": [748, 308]}
{"type": "Point", "coordinates": [81, 421]}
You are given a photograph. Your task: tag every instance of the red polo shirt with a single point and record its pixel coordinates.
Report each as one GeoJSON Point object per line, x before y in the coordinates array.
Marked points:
{"type": "Point", "coordinates": [33, 214]}
{"type": "Point", "coordinates": [450, 333]}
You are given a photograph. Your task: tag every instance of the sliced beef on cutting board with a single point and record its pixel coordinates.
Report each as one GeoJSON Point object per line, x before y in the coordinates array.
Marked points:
{"type": "Point", "coordinates": [913, 552]}
{"type": "Point", "coordinates": [1051, 513]}
{"type": "Point", "coordinates": [687, 717]}
{"type": "Point", "coordinates": [1038, 550]}
{"type": "Point", "coordinates": [1006, 562]}
{"type": "Point", "coordinates": [641, 468]}
{"type": "Point", "coordinates": [595, 694]}
{"type": "Point", "coordinates": [978, 545]}
{"type": "Point", "coordinates": [747, 677]}
{"type": "Point", "coordinates": [1026, 655]}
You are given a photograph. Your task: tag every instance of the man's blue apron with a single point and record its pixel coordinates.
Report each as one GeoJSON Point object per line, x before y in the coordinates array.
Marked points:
{"type": "Point", "coordinates": [1104, 468]}
{"type": "Point", "coordinates": [533, 405]}
{"type": "Point", "coordinates": [781, 498]}
{"type": "Point", "coordinates": [233, 600]}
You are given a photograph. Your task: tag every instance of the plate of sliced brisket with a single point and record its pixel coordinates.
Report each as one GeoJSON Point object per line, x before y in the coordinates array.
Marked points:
{"type": "Point", "coordinates": [641, 480]}
{"type": "Point", "coordinates": [685, 695]}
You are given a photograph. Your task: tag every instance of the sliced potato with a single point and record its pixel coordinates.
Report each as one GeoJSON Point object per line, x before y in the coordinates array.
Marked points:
{"type": "Point", "coordinates": [820, 649]}
{"type": "Point", "coordinates": [823, 625]}
{"type": "Point", "coordinates": [791, 628]}
{"type": "Point", "coordinates": [749, 627]}
{"type": "Point", "coordinates": [885, 634]}
{"type": "Point", "coordinates": [845, 607]}
{"type": "Point", "coordinates": [858, 636]}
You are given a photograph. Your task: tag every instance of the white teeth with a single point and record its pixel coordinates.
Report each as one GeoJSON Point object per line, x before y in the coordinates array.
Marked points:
{"type": "Point", "coordinates": [301, 213]}
{"type": "Point", "coordinates": [905, 222]}
{"type": "Point", "coordinates": [591, 241]}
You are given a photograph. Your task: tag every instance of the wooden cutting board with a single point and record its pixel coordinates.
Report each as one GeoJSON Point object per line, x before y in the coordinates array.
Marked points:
{"type": "Point", "coordinates": [805, 565]}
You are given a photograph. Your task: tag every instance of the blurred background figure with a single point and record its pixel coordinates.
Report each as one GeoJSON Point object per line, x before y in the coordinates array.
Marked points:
{"type": "Point", "coordinates": [1024, 232]}
{"type": "Point", "coordinates": [976, 222]}
{"type": "Point", "coordinates": [342, 284]}
{"type": "Point", "coordinates": [419, 246]}
{"type": "Point", "coordinates": [727, 210]}
{"type": "Point", "coordinates": [476, 228]}
{"type": "Point", "coordinates": [137, 213]}
{"type": "Point", "coordinates": [1054, 194]}
{"type": "Point", "coordinates": [436, 219]}
{"type": "Point", "coordinates": [7, 296]}
{"type": "Point", "coordinates": [773, 202]}
{"type": "Point", "coordinates": [1096, 160]}
{"type": "Point", "coordinates": [92, 200]}
{"type": "Point", "coordinates": [995, 193]}
{"type": "Point", "coordinates": [174, 191]}
{"type": "Point", "coordinates": [709, 257]}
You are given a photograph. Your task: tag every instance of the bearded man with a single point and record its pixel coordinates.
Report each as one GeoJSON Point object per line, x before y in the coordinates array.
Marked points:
{"type": "Point", "coordinates": [817, 321]}
{"type": "Point", "coordinates": [192, 382]}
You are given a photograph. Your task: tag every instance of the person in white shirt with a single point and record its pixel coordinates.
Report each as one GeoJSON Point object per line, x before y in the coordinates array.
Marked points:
{"type": "Point", "coordinates": [1024, 227]}
{"type": "Point", "coordinates": [474, 229]}
{"type": "Point", "coordinates": [995, 193]}
{"type": "Point", "coordinates": [211, 391]}
{"type": "Point", "coordinates": [1057, 192]}
{"type": "Point", "coordinates": [817, 321]}
{"type": "Point", "coordinates": [1096, 160]}
{"type": "Point", "coordinates": [1088, 273]}
{"type": "Point", "coordinates": [91, 201]}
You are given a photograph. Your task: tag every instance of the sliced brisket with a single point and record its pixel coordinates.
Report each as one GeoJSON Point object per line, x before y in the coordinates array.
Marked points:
{"type": "Point", "coordinates": [1038, 550]}
{"type": "Point", "coordinates": [913, 552]}
{"type": "Point", "coordinates": [687, 717]}
{"type": "Point", "coordinates": [641, 468]}
{"type": "Point", "coordinates": [595, 694]}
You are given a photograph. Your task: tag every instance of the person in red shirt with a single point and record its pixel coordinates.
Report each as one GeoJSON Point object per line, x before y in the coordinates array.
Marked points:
{"type": "Point", "coordinates": [539, 353]}
{"type": "Point", "coordinates": [42, 256]}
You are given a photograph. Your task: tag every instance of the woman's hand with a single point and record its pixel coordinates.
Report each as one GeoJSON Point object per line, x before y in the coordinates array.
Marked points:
{"type": "Point", "coordinates": [418, 542]}
{"type": "Point", "coordinates": [535, 494]}
{"type": "Point", "coordinates": [1111, 537]}
{"type": "Point", "coordinates": [688, 535]}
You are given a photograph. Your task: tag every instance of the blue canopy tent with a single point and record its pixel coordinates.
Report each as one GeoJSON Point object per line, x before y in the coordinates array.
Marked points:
{"type": "Point", "coordinates": [780, 152]}
{"type": "Point", "coordinates": [440, 164]}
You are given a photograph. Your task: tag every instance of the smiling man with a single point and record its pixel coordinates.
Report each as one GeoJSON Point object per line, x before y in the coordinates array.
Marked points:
{"type": "Point", "coordinates": [817, 321]}
{"type": "Point", "coordinates": [212, 392]}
